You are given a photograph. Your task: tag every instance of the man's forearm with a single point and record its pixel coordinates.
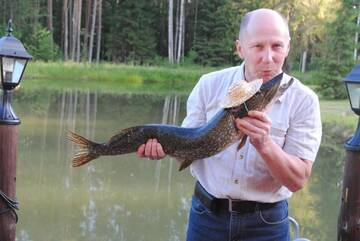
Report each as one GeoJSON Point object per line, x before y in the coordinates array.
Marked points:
{"type": "Point", "coordinates": [289, 170]}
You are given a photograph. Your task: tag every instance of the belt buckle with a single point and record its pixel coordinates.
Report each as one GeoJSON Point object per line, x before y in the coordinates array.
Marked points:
{"type": "Point", "coordinates": [230, 200]}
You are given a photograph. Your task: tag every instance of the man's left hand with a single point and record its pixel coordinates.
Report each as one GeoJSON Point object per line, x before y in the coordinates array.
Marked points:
{"type": "Point", "coordinates": [257, 126]}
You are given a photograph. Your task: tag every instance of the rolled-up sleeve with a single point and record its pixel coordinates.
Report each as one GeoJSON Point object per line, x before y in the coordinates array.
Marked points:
{"type": "Point", "coordinates": [304, 134]}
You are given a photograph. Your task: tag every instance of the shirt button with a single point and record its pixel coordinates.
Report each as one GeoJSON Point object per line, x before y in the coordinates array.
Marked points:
{"type": "Point", "coordinates": [236, 181]}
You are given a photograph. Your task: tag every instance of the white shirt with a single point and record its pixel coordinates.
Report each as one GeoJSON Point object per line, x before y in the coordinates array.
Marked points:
{"type": "Point", "coordinates": [243, 174]}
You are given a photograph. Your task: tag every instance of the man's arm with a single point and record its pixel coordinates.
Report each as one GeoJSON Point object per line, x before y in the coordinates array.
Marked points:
{"type": "Point", "coordinates": [289, 170]}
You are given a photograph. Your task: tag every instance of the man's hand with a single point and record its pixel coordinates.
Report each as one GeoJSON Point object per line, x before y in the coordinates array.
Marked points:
{"type": "Point", "coordinates": [289, 170]}
{"type": "Point", "coordinates": [257, 126]}
{"type": "Point", "coordinates": [152, 149]}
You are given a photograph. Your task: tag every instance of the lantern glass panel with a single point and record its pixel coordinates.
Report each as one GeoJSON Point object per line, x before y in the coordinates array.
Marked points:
{"type": "Point", "coordinates": [354, 94]}
{"type": "Point", "coordinates": [8, 69]}
{"type": "Point", "coordinates": [12, 69]}
{"type": "Point", "coordinates": [18, 70]}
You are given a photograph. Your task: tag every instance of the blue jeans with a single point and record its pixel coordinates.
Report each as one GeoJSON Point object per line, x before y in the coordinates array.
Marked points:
{"type": "Point", "coordinates": [262, 225]}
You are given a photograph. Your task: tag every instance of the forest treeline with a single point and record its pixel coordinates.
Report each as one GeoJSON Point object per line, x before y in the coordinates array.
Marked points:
{"type": "Point", "coordinates": [154, 32]}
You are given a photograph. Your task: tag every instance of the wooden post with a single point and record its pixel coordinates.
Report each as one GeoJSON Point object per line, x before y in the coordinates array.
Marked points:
{"type": "Point", "coordinates": [349, 217]}
{"type": "Point", "coordinates": [8, 150]}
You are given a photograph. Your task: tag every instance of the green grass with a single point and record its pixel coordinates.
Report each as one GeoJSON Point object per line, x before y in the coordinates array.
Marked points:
{"type": "Point", "coordinates": [120, 78]}
{"type": "Point", "coordinates": [338, 112]}
{"type": "Point", "coordinates": [113, 78]}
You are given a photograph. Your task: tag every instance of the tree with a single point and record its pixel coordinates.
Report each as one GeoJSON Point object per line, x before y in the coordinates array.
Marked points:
{"type": "Point", "coordinates": [130, 35]}
{"type": "Point", "coordinates": [337, 58]}
{"type": "Point", "coordinates": [65, 27]}
{"type": "Point", "coordinates": [308, 20]}
{"type": "Point", "coordinates": [41, 45]}
{"type": "Point", "coordinates": [87, 28]}
{"type": "Point", "coordinates": [217, 27]}
{"type": "Point", "coordinates": [171, 32]}
{"type": "Point", "coordinates": [98, 46]}
{"type": "Point", "coordinates": [92, 31]}
{"type": "Point", "coordinates": [50, 15]}
{"type": "Point", "coordinates": [181, 32]}
{"type": "Point", "coordinates": [78, 29]}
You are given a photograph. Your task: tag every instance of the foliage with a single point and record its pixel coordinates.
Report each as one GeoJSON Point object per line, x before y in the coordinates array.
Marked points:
{"type": "Point", "coordinates": [338, 52]}
{"type": "Point", "coordinates": [212, 27]}
{"type": "Point", "coordinates": [310, 78]}
{"type": "Point", "coordinates": [42, 46]}
{"type": "Point", "coordinates": [307, 22]}
{"type": "Point", "coordinates": [218, 28]}
{"type": "Point", "coordinates": [130, 31]}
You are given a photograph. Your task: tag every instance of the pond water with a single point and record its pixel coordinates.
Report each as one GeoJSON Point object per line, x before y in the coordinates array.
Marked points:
{"type": "Point", "coordinates": [123, 197]}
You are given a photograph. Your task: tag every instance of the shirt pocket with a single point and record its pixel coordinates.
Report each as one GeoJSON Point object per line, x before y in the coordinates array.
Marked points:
{"type": "Point", "coordinates": [278, 133]}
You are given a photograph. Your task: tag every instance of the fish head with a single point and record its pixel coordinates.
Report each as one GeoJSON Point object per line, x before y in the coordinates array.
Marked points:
{"type": "Point", "coordinates": [244, 96]}
{"type": "Point", "coordinates": [239, 94]}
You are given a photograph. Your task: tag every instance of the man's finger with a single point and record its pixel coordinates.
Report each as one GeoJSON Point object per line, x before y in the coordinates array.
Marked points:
{"type": "Point", "coordinates": [259, 115]}
{"type": "Point", "coordinates": [154, 154]}
{"type": "Point", "coordinates": [141, 150]}
{"type": "Point", "coordinates": [148, 148]}
{"type": "Point", "coordinates": [160, 150]}
{"type": "Point", "coordinates": [249, 127]}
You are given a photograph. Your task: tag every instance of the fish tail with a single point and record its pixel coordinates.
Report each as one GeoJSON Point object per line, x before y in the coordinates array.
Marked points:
{"type": "Point", "coordinates": [86, 147]}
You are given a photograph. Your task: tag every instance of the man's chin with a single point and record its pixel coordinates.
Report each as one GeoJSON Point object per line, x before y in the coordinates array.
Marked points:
{"type": "Point", "coordinates": [267, 77]}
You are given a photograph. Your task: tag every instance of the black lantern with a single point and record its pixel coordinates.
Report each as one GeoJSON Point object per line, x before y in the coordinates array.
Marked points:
{"type": "Point", "coordinates": [352, 82]}
{"type": "Point", "coordinates": [13, 60]}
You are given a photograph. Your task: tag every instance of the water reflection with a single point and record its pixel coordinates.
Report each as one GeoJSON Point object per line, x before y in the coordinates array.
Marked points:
{"type": "Point", "coordinates": [122, 197]}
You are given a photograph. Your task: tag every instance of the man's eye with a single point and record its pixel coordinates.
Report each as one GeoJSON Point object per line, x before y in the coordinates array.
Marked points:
{"type": "Point", "coordinates": [278, 46]}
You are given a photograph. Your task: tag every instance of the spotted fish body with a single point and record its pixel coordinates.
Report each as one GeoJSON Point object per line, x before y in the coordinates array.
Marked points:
{"type": "Point", "coordinates": [185, 144]}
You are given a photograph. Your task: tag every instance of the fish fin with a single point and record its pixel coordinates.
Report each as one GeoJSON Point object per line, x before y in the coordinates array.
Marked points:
{"type": "Point", "coordinates": [82, 158]}
{"type": "Point", "coordinates": [185, 164]}
{"type": "Point", "coordinates": [242, 142]}
{"type": "Point", "coordinates": [84, 154]}
{"type": "Point", "coordinates": [120, 134]}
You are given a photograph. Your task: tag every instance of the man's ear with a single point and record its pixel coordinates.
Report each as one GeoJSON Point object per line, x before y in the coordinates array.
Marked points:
{"type": "Point", "coordinates": [238, 48]}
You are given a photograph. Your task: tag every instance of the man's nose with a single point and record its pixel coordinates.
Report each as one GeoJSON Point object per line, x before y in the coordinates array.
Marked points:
{"type": "Point", "coordinates": [268, 55]}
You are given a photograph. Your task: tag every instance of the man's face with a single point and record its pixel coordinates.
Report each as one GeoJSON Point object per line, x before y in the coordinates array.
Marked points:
{"type": "Point", "coordinates": [264, 47]}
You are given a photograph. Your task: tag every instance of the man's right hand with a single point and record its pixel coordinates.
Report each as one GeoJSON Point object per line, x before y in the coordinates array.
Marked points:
{"type": "Point", "coordinates": [152, 149]}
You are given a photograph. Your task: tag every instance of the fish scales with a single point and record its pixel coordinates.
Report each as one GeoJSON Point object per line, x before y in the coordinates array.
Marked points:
{"type": "Point", "coordinates": [185, 144]}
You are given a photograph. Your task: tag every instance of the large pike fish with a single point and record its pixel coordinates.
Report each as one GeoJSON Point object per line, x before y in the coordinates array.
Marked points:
{"type": "Point", "coordinates": [190, 144]}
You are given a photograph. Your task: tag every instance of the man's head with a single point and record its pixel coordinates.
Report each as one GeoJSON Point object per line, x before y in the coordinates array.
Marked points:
{"type": "Point", "coordinates": [263, 44]}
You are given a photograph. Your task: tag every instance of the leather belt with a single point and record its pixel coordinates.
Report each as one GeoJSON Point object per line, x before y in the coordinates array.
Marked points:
{"type": "Point", "coordinates": [228, 205]}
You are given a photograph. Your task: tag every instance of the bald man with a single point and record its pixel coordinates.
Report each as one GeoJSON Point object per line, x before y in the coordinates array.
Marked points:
{"type": "Point", "coordinates": [242, 194]}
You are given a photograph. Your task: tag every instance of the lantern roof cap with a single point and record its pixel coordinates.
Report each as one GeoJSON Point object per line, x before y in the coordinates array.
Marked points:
{"type": "Point", "coordinates": [354, 75]}
{"type": "Point", "coordinates": [12, 47]}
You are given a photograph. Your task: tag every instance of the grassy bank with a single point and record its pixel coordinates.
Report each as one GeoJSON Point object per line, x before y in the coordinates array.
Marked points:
{"type": "Point", "coordinates": [112, 77]}
{"type": "Point", "coordinates": [118, 78]}
{"type": "Point", "coordinates": [108, 77]}
{"type": "Point", "coordinates": [338, 112]}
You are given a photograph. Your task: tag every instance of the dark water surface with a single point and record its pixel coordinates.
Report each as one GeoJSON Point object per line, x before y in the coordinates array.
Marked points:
{"type": "Point", "coordinates": [123, 197]}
